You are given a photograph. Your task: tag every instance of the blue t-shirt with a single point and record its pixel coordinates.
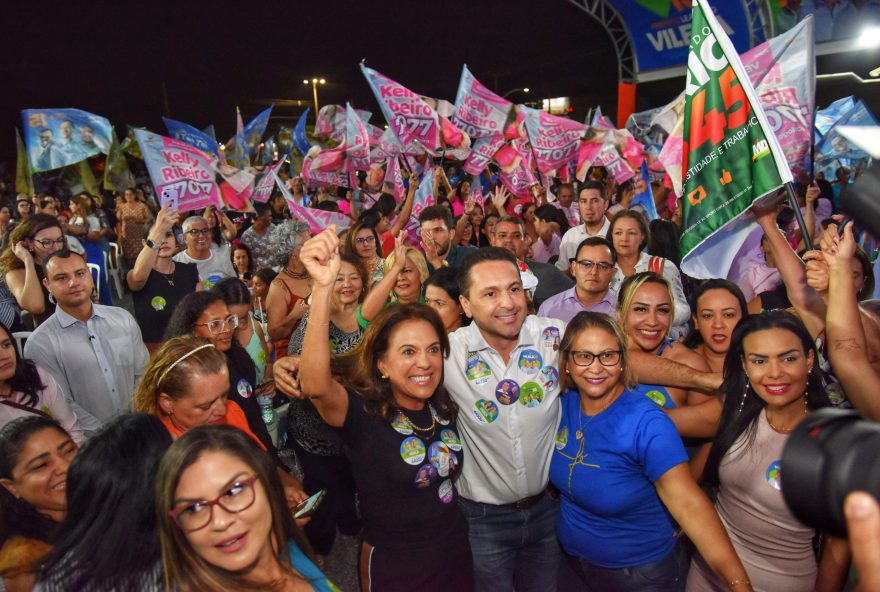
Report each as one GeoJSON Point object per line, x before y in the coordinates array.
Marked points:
{"type": "Point", "coordinates": [610, 514]}
{"type": "Point", "coordinates": [656, 393]}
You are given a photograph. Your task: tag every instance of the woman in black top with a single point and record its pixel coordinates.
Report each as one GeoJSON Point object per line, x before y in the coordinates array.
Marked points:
{"type": "Point", "coordinates": [398, 425]}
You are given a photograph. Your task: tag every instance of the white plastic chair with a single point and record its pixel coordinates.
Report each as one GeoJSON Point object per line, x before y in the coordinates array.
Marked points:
{"type": "Point", "coordinates": [20, 337]}
{"type": "Point", "coordinates": [96, 276]}
{"type": "Point", "coordinates": [114, 272]}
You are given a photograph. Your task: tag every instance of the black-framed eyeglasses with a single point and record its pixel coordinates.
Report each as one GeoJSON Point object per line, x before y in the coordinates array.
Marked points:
{"type": "Point", "coordinates": [365, 240]}
{"type": "Point", "coordinates": [588, 265]}
{"type": "Point", "coordinates": [48, 243]}
{"type": "Point", "coordinates": [198, 231]}
{"type": "Point", "coordinates": [218, 326]}
{"type": "Point", "coordinates": [582, 357]}
{"type": "Point", "coordinates": [238, 497]}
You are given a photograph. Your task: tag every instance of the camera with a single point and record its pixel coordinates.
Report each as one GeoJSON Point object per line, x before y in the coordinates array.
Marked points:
{"type": "Point", "coordinates": [830, 454]}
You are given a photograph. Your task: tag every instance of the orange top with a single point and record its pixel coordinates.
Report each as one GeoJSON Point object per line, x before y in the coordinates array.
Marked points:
{"type": "Point", "coordinates": [234, 417]}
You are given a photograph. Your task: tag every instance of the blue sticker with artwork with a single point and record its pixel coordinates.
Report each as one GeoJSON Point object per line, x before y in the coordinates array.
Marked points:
{"type": "Point", "coordinates": [477, 370]}
{"type": "Point", "coordinates": [244, 388]}
{"type": "Point", "coordinates": [507, 391]}
{"type": "Point", "coordinates": [412, 451]}
{"type": "Point", "coordinates": [549, 378]}
{"type": "Point", "coordinates": [774, 475]}
{"type": "Point", "coordinates": [425, 476]}
{"type": "Point", "coordinates": [550, 338]}
{"type": "Point", "coordinates": [530, 361]}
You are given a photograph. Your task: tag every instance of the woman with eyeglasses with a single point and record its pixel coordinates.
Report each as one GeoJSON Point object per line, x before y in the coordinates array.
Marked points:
{"type": "Point", "coordinates": [30, 243]}
{"type": "Point", "coordinates": [362, 241]}
{"type": "Point", "coordinates": [623, 477]}
{"type": "Point", "coordinates": [205, 315]}
{"type": "Point", "coordinates": [223, 523]}
{"type": "Point", "coordinates": [157, 282]}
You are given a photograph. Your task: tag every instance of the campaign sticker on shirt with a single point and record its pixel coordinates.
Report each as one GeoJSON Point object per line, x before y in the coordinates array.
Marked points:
{"type": "Point", "coordinates": [550, 337]}
{"type": "Point", "coordinates": [244, 388]}
{"type": "Point", "coordinates": [530, 361]}
{"type": "Point", "coordinates": [507, 391]}
{"type": "Point", "coordinates": [158, 303]}
{"type": "Point", "coordinates": [561, 438]}
{"type": "Point", "coordinates": [412, 450]}
{"type": "Point", "coordinates": [445, 491]}
{"type": "Point", "coordinates": [425, 476]}
{"type": "Point", "coordinates": [402, 424]}
{"type": "Point", "coordinates": [209, 281]}
{"type": "Point", "coordinates": [485, 411]}
{"type": "Point", "coordinates": [549, 378]}
{"type": "Point", "coordinates": [477, 371]}
{"type": "Point", "coordinates": [531, 394]}
{"type": "Point", "coordinates": [437, 418]}
{"type": "Point", "coordinates": [657, 396]}
{"type": "Point", "coordinates": [451, 439]}
{"type": "Point", "coordinates": [774, 476]}
{"type": "Point", "coordinates": [438, 456]}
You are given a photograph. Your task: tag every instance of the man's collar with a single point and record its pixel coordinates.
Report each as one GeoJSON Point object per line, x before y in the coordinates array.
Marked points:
{"type": "Point", "coordinates": [475, 341]}
{"type": "Point", "coordinates": [65, 319]}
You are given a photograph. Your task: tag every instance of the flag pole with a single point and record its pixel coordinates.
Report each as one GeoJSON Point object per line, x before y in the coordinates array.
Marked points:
{"type": "Point", "coordinates": [792, 201]}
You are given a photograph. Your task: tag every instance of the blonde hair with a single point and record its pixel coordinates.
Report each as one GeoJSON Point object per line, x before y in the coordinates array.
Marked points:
{"type": "Point", "coordinates": [170, 370]}
{"type": "Point", "coordinates": [415, 257]}
{"type": "Point", "coordinates": [631, 285]}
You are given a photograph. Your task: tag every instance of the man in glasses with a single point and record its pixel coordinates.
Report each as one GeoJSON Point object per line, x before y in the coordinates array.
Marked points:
{"type": "Point", "coordinates": [593, 269]}
{"type": "Point", "coordinates": [212, 261]}
{"type": "Point", "coordinates": [94, 352]}
{"type": "Point", "coordinates": [437, 232]}
{"type": "Point", "coordinates": [156, 281]}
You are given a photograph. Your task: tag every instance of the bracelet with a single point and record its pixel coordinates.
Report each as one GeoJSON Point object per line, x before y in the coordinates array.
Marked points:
{"type": "Point", "coordinates": [735, 583]}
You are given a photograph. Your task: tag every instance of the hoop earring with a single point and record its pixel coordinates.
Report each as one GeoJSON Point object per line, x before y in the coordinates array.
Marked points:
{"type": "Point", "coordinates": [745, 394]}
{"type": "Point", "coordinates": [51, 297]}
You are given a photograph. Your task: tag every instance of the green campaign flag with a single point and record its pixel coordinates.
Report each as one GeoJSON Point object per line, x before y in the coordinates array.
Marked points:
{"type": "Point", "coordinates": [731, 156]}
{"type": "Point", "coordinates": [117, 177]}
{"type": "Point", "coordinates": [24, 182]}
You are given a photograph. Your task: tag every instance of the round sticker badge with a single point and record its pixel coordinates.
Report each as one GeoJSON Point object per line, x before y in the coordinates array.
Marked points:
{"type": "Point", "coordinates": [530, 361]}
{"type": "Point", "coordinates": [507, 392]}
{"type": "Point", "coordinates": [773, 475]}
{"type": "Point", "coordinates": [244, 389]}
{"type": "Point", "coordinates": [549, 378]}
{"type": "Point", "coordinates": [477, 370]}
{"type": "Point", "coordinates": [657, 396]}
{"type": "Point", "coordinates": [412, 450]}
{"type": "Point", "coordinates": [485, 411]}
{"type": "Point", "coordinates": [438, 456]}
{"type": "Point", "coordinates": [158, 303]}
{"type": "Point", "coordinates": [531, 395]}
{"type": "Point", "coordinates": [561, 438]}
{"type": "Point", "coordinates": [445, 491]}
{"type": "Point", "coordinates": [550, 337]}
{"type": "Point", "coordinates": [451, 439]}
{"type": "Point", "coordinates": [402, 424]}
{"type": "Point", "coordinates": [426, 475]}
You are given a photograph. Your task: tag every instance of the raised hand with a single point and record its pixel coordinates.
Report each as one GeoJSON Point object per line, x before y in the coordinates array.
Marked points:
{"type": "Point", "coordinates": [399, 252]}
{"type": "Point", "coordinates": [286, 374]}
{"type": "Point", "coordinates": [841, 250]}
{"type": "Point", "coordinates": [817, 271]}
{"type": "Point", "coordinates": [499, 198]}
{"type": "Point", "coordinates": [320, 256]}
{"type": "Point", "coordinates": [21, 251]}
{"type": "Point", "coordinates": [165, 221]}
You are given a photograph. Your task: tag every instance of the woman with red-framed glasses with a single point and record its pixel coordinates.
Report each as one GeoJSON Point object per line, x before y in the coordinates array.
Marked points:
{"type": "Point", "coordinates": [223, 518]}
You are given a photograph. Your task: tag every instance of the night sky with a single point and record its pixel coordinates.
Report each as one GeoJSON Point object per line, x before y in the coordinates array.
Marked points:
{"type": "Point", "coordinates": [112, 60]}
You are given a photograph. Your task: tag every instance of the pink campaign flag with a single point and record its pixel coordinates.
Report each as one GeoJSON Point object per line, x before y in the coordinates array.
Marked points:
{"type": "Point", "coordinates": [313, 177]}
{"type": "Point", "coordinates": [412, 119]}
{"type": "Point", "coordinates": [265, 183]}
{"type": "Point", "coordinates": [423, 198]}
{"type": "Point", "coordinates": [482, 152]}
{"type": "Point", "coordinates": [517, 177]}
{"type": "Point", "coordinates": [330, 123]}
{"type": "Point", "coordinates": [317, 220]}
{"type": "Point", "coordinates": [357, 142]}
{"type": "Point", "coordinates": [394, 179]}
{"type": "Point", "coordinates": [554, 139]}
{"type": "Point", "coordinates": [479, 112]}
{"type": "Point", "coordinates": [182, 174]}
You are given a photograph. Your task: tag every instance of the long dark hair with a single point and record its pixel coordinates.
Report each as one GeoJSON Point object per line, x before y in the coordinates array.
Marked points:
{"type": "Point", "coordinates": [110, 539]}
{"type": "Point", "coordinates": [695, 338]}
{"type": "Point", "coordinates": [741, 412]}
{"type": "Point", "coordinates": [187, 312]}
{"type": "Point", "coordinates": [26, 379]}
{"type": "Point", "coordinates": [185, 570]}
{"type": "Point", "coordinates": [359, 367]}
{"type": "Point", "coordinates": [18, 517]}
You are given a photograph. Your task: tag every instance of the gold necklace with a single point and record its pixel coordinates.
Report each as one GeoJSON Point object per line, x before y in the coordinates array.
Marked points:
{"type": "Point", "coordinates": [579, 434]}
{"type": "Point", "coordinates": [783, 430]}
{"type": "Point", "coordinates": [430, 428]}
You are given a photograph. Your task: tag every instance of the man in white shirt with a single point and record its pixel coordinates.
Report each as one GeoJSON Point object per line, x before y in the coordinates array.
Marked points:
{"type": "Point", "coordinates": [592, 203]}
{"type": "Point", "coordinates": [502, 373]}
{"type": "Point", "coordinates": [94, 352]}
{"type": "Point", "coordinates": [565, 202]}
{"type": "Point", "coordinates": [213, 262]}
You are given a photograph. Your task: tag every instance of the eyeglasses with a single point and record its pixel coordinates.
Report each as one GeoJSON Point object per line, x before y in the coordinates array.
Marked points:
{"type": "Point", "coordinates": [198, 231]}
{"type": "Point", "coordinates": [588, 265]}
{"type": "Point", "coordinates": [48, 243]}
{"type": "Point", "coordinates": [365, 240]}
{"type": "Point", "coordinates": [584, 358]}
{"type": "Point", "coordinates": [217, 327]}
{"type": "Point", "coordinates": [239, 497]}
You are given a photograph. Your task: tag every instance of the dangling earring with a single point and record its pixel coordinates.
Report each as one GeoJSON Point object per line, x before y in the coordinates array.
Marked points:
{"type": "Point", "coordinates": [51, 298]}
{"type": "Point", "coordinates": [743, 401]}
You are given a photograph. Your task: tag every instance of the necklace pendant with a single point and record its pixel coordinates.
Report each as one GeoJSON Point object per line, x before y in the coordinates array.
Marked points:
{"type": "Point", "coordinates": [579, 435]}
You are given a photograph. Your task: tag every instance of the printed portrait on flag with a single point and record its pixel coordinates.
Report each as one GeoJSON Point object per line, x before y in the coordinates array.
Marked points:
{"type": "Point", "coordinates": [58, 137]}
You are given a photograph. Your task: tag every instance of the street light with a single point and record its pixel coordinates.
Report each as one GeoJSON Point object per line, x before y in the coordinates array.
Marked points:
{"type": "Point", "coordinates": [315, 82]}
{"type": "Point", "coordinates": [513, 90]}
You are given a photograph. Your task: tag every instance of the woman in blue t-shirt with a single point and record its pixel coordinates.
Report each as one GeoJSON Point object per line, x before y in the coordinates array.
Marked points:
{"type": "Point", "coordinates": [621, 469]}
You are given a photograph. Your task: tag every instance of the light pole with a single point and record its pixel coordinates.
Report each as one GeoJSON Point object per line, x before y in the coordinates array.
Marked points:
{"type": "Point", "coordinates": [315, 82]}
{"type": "Point", "coordinates": [513, 90]}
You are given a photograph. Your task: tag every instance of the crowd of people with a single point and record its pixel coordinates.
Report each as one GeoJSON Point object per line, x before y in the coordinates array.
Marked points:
{"type": "Point", "coordinates": [522, 393]}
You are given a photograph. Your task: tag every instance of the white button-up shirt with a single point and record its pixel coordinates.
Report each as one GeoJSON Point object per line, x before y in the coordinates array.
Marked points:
{"type": "Point", "coordinates": [97, 363]}
{"type": "Point", "coordinates": [571, 240]}
{"type": "Point", "coordinates": [508, 412]}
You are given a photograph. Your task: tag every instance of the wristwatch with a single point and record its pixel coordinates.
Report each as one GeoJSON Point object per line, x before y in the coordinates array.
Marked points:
{"type": "Point", "coordinates": [151, 245]}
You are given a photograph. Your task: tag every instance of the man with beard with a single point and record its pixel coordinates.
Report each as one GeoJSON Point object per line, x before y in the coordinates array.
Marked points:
{"type": "Point", "coordinates": [437, 231]}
